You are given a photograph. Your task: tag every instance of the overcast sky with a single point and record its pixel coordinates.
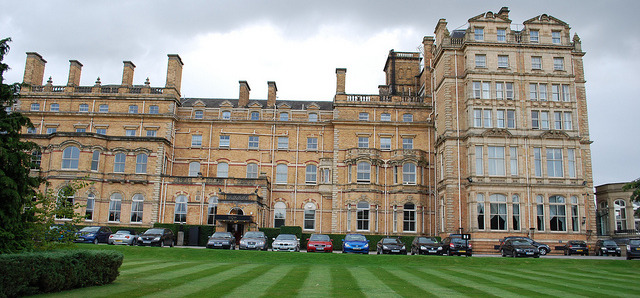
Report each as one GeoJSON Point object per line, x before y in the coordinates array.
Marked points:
{"type": "Point", "coordinates": [299, 45]}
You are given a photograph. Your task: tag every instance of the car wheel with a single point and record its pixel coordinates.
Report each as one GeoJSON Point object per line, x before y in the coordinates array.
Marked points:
{"type": "Point", "coordinates": [628, 257]}
{"type": "Point", "coordinates": [586, 254]}
{"type": "Point", "coordinates": [503, 253]}
{"type": "Point", "coordinates": [171, 244]}
{"type": "Point", "coordinates": [514, 254]}
{"type": "Point", "coordinates": [543, 251]}
{"type": "Point", "coordinates": [161, 243]}
{"type": "Point", "coordinates": [619, 254]}
{"type": "Point", "coordinates": [448, 253]}
{"type": "Point", "coordinates": [568, 253]}
{"type": "Point", "coordinates": [95, 241]}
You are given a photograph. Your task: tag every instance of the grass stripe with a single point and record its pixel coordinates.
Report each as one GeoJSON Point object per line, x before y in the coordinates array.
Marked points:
{"type": "Point", "coordinates": [428, 286]}
{"type": "Point", "coordinates": [548, 281]}
{"type": "Point", "coordinates": [580, 282]}
{"type": "Point", "coordinates": [370, 285]}
{"type": "Point", "coordinates": [398, 285]}
{"type": "Point", "coordinates": [523, 289]}
{"type": "Point", "coordinates": [477, 283]}
{"type": "Point", "coordinates": [290, 284]}
{"type": "Point", "coordinates": [455, 283]}
{"type": "Point", "coordinates": [179, 273]}
{"type": "Point", "coordinates": [126, 264]}
{"type": "Point", "coordinates": [596, 277]}
{"type": "Point", "coordinates": [318, 282]}
{"type": "Point", "coordinates": [193, 283]}
{"type": "Point", "coordinates": [222, 289]}
{"type": "Point", "coordinates": [258, 285]}
{"type": "Point", "coordinates": [344, 284]}
{"type": "Point", "coordinates": [149, 269]}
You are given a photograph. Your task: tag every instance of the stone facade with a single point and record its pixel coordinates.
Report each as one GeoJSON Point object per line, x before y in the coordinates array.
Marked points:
{"type": "Point", "coordinates": [484, 132]}
{"type": "Point", "coordinates": [617, 215]}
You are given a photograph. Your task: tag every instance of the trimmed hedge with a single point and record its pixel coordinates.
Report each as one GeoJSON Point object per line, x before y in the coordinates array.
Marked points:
{"type": "Point", "coordinates": [45, 272]}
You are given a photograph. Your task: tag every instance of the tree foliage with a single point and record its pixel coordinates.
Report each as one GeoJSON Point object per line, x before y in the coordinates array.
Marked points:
{"type": "Point", "coordinates": [635, 186]}
{"type": "Point", "coordinates": [17, 188]}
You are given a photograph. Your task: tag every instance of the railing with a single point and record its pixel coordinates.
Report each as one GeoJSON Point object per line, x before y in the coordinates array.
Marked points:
{"type": "Point", "coordinates": [112, 89]}
{"type": "Point", "coordinates": [57, 89]}
{"type": "Point", "coordinates": [354, 152]}
{"type": "Point", "coordinates": [109, 89]}
{"type": "Point", "coordinates": [156, 90]}
{"type": "Point", "coordinates": [627, 232]}
{"type": "Point", "coordinates": [83, 89]}
{"type": "Point", "coordinates": [360, 97]}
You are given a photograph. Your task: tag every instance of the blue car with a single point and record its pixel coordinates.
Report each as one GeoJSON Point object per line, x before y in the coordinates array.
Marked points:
{"type": "Point", "coordinates": [93, 235]}
{"type": "Point", "coordinates": [355, 243]}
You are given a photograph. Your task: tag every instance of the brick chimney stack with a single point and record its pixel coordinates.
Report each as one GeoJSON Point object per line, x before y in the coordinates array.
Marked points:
{"type": "Point", "coordinates": [341, 76]}
{"type": "Point", "coordinates": [127, 73]}
{"type": "Point", "coordinates": [174, 74]}
{"type": "Point", "coordinates": [34, 69]}
{"type": "Point", "coordinates": [243, 99]}
{"type": "Point", "coordinates": [271, 98]}
{"type": "Point", "coordinates": [75, 69]}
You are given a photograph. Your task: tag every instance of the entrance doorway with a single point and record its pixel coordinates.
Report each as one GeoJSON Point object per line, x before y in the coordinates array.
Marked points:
{"type": "Point", "coordinates": [237, 230]}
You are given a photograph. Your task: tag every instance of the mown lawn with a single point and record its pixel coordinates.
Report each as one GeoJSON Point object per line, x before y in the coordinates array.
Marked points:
{"type": "Point", "coordinates": [174, 272]}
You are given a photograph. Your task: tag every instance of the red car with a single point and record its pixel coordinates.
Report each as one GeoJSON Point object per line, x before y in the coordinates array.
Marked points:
{"type": "Point", "coordinates": [319, 243]}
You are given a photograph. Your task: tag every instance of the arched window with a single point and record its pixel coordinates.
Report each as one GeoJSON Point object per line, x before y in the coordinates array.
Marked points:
{"type": "Point", "coordinates": [70, 158]}
{"type": "Point", "coordinates": [194, 169]}
{"type": "Point", "coordinates": [226, 115]}
{"type": "Point", "coordinates": [498, 211]}
{"type": "Point", "coordinates": [137, 204]}
{"type": "Point", "coordinates": [141, 163]}
{"type": "Point", "coordinates": [284, 116]}
{"type": "Point", "coordinates": [212, 210]}
{"type": "Point", "coordinates": [409, 173]}
{"type": "Point", "coordinates": [516, 212]}
{"type": "Point", "coordinates": [363, 172]}
{"type": "Point", "coordinates": [575, 214]}
{"type": "Point", "coordinates": [252, 170]}
{"type": "Point", "coordinates": [115, 204]}
{"type": "Point", "coordinates": [180, 212]}
{"type": "Point", "coordinates": [313, 117]}
{"type": "Point", "coordinates": [279, 214]}
{"type": "Point", "coordinates": [95, 160]}
{"type": "Point", "coordinates": [91, 202]}
{"type": "Point", "coordinates": [311, 174]}
{"type": "Point", "coordinates": [281, 174]}
{"type": "Point", "coordinates": [557, 213]}
{"type": "Point", "coordinates": [309, 216]}
{"type": "Point", "coordinates": [409, 220]}
{"type": "Point", "coordinates": [621, 214]}
{"type": "Point", "coordinates": [223, 170]}
{"type": "Point", "coordinates": [480, 199]}
{"type": "Point", "coordinates": [362, 214]}
{"type": "Point", "coordinates": [119, 163]}
{"type": "Point", "coordinates": [255, 115]}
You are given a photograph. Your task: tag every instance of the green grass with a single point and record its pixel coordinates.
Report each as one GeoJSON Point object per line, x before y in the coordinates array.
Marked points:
{"type": "Point", "coordinates": [177, 272]}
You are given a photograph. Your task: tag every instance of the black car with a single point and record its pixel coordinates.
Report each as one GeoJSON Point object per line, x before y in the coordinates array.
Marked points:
{"type": "Point", "coordinates": [454, 245]}
{"type": "Point", "coordinates": [519, 248]}
{"type": "Point", "coordinates": [93, 235]}
{"type": "Point", "coordinates": [157, 237]}
{"type": "Point", "coordinates": [222, 240]}
{"type": "Point", "coordinates": [391, 245]}
{"type": "Point", "coordinates": [576, 247]}
{"type": "Point", "coordinates": [633, 249]}
{"type": "Point", "coordinates": [425, 245]}
{"type": "Point", "coordinates": [543, 249]}
{"type": "Point", "coordinates": [606, 248]}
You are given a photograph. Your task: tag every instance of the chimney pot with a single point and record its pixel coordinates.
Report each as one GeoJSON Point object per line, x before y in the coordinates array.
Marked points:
{"type": "Point", "coordinates": [127, 73]}
{"type": "Point", "coordinates": [243, 98]}
{"type": "Point", "coordinates": [271, 98]}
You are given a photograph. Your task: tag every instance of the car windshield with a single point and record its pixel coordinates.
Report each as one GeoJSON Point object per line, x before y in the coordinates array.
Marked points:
{"type": "Point", "coordinates": [254, 235]}
{"type": "Point", "coordinates": [458, 241]}
{"type": "Point", "coordinates": [519, 242]}
{"type": "Point", "coordinates": [286, 237]}
{"type": "Point", "coordinates": [154, 231]}
{"type": "Point", "coordinates": [221, 235]}
{"type": "Point", "coordinates": [355, 237]}
{"type": "Point", "coordinates": [319, 238]}
{"type": "Point", "coordinates": [390, 241]}
{"type": "Point", "coordinates": [123, 232]}
{"type": "Point", "coordinates": [634, 242]}
{"type": "Point", "coordinates": [90, 229]}
{"type": "Point", "coordinates": [577, 243]}
{"type": "Point", "coordinates": [609, 242]}
{"type": "Point", "coordinates": [424, 240]}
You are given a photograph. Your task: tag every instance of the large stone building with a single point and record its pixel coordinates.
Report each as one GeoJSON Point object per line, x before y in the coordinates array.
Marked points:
{"type": "Point", "coordinates": [485, 132]}
{"type": "Point", "coordinates": [617, 215]}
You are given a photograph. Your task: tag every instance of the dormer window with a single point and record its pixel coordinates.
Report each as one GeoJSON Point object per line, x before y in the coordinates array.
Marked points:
{"type": "Point", "coordinates": [226, 115]}
{"type": "Point", "coordinates": [199, 114]}
{"type": "Point", "coordinates": [313, 117]}
{"type": "Point", "coordinates": [555, 37]}
{"type": "Point", "coordinates": [502, 35]}
{"type": "Point", "coordinates": [534, 36]}
{"type": "Point", "coordinates": [255, 115]}
{"type": "Point", "coordinates": [478, 34]}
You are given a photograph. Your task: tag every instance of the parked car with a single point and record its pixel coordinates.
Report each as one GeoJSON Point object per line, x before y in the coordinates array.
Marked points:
{"type": "Point", "coordinates": [157, 237]}
{"type": "Point", "coordinates": [286, 242]}
{"type": "Point", "coordinates": [633, 249]}
{"type": "Point", "coordinates": [222, 240]}
{"type": "Point", "coordinates": [391, 245]}
{"type": "Point", "coordinates": [356, 243]}
{"type": "Point", "coordinates": [606, 248]}
{"type": "Point", "coordinates": [319, 243]}
{"type": "Point", "coordinates": [519, 248]}
{"type": "Point", "coordinates": [93, 235]}
{"type": "Point", "coordinates": [455, 245]}
{"type": "Point", "coordinates": [425, 245]}
{"type": "Point", "coordinates": [253, 240]}
{"type": "Point", "coordinates": [576, 247]}
{"type": "Point", "coordinates": [126, 237]}
{"type": "Point", "coordinates": [58, 232]}
{"type": "Point", "coordinates": [543, 249]}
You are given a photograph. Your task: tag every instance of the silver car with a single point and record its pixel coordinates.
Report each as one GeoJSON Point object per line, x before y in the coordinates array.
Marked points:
{"type": "Point", "coordinates": [253, 240]}
{"type": "Point", "coordinates": [126, 237]}
{"type": "Point", "coordinates": [286, 242]}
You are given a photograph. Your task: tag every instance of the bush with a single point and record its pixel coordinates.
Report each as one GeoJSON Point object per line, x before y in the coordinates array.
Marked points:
{"type": "Point", "coordinates": [270, 233]}
{"type": "Point", "coordinates": [34, 273]}
{"type": "Point", "coordinates": [295, 230]}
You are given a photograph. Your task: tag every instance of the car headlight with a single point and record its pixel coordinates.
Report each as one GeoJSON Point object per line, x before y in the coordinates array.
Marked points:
{"type": "Point", "coordinates": [617, 248]}
{"type": "Point", "coordinates": [403, 247]}
{"type": "Point", "coordinates": [156, 239]}
{"type": "Point", "coordinates": [366, 245]}
{"type": "Point", "coordinates": [518, 249]}
{"type": "Point", "coordinates": [385, 247]}
{"type": "Point", "coordinates": [440, 248]}
{"type": "Point", "coordinates": [91, 235]}
{"type": "Point", "coordinates": [423, 247]}
{"type": "Point", "coordinates": [347, 245]}
{"type": "Point", "coordinates": [628, 247]}
{"type": "Point", "coordinates": [139, 238]}
{"type": "Point", "coordinates": [243, 242]}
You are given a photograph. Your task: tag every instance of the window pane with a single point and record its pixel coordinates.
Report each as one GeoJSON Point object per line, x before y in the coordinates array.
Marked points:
{"type": "Point", "coordinates": [223, 170]}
